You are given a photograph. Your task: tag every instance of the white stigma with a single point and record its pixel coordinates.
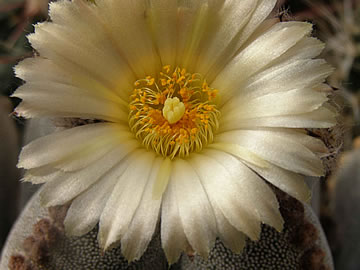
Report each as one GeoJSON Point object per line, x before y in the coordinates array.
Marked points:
{"type": "Point", "coordinates": [173, 110]}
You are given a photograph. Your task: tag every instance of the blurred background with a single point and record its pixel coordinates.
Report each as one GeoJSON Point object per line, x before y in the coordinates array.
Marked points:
{"type": "Point", "coordinates": [337, 22]}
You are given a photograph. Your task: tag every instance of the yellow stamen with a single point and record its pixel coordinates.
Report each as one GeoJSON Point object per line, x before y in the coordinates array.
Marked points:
{"type": "Point", "coordinates": [175, 113]}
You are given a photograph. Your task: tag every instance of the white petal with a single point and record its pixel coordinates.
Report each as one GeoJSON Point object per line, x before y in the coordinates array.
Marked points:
{"type": "Point", "coordinates": [314, 144]}
{"type": "Point", "coordinates": [280, 150]}
{"type": "Point", "coordinates": [262, 11]}
{"type": "Point", "coordinates": [143, 224]}
{"type": "Point", "coordinates": [80, 19]}
{"type": "Point", "coordinates": [258, 15]}
{"type": "Point", "coordinates": [289, 182]}
{"type": "Point", "coordinates": [81, 55]}
{"type": "Point", "coordinates": [280, 38]}
{"type": "Point", "coordinates": [320, 118]}
{"type": "Point", "coordinates": [223, 190]}
{"type": "Point", "coordinates": [89, 156]}
{"type": "Point", "coordinates": [192, 21]}
{"type": "Point", "coordinates": [307, 48]}
{"type": "Point", "coordinates": [232, 238]}
{"type": "Point", "coordinates": [162, 178]}
{"type": "Point", "coordinates": [50, 148]}
{"type": "Point", "coordinates": [33, 69]}
{"type": "Point", "coordinates": [65, 101]}
{"type": "Point", "coordinates": [163, 19]}
{"type": "Point", "coordinates": [126, 23]}
{"type": "Point", "coordinates": [255, 194]}
{"type": "Point", "coordinates": [68, 185]}
{"type": "Point", "coordinates": [224, 25]}
{"type": "Point", "coordinates": [240, 152]}
{"type": "Point", "coordinates": [173, 238]}
{"type": "Point", "coordinates": [125, 198]}
{"type": "Point", "coordinates": [41, 174]}
{"type": "Point", "coordinates": [84, 212]}
{"type": "Point", "coordinates": [79, 160]}
{"type": "Point", "coordinates": [262, 28]}
{"type": "Point", "coordinates": [291, 75]}
{"type": "Point", "coordinates": [194, 208]}
{"type": "Point", "coordinates": [301, 100]}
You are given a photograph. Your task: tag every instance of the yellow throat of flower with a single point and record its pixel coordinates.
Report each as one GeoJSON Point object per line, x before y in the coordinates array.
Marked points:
{"type": "Point", "coordinates": [175, 113]}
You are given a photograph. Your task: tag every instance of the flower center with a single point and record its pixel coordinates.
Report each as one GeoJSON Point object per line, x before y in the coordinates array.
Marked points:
{"type": "Point", "coordinates": [175, 113]}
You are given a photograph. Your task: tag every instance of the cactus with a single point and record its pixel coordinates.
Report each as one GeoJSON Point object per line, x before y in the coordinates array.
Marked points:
{"type": "Point", "coordinates": [45, 246]}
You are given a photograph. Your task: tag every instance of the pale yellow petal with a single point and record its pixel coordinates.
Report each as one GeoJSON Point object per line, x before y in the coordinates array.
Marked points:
{"type": "Point", "coordinates": [295, 74]}
{"type": "Point", "coordinates": [320, 118]}
{"type": "Point", "coordinates": [85, 211]}
{"type": "Point", "coordinates": [262, 11]}
{"type": "Point", "coordinates": [255, 24]}
{"type": "Point", "coordinates": [162, 17]}
{"type": "Point", "coordinates": [65, 101]}
{"type": "Point", "coordinates": [173, 238]}
{"type": "Point", "coordinates": [33, 70]}
{"type": "Point", "coordinates": [231, 237]}
{"type": "Point", "coordinates": [162, 178]}
{"type": "Point", "coordinates": [89, 156]}
{"type": "Point", "coordinates": [194, 208]}
{"type": "Point", "coordinates": [240, 152]}
{"type": "Point", "coordinates": [50, 148]}
{"type": "Point", "coordinates": [192, 20]}
{"type": "Point", "coordinates": [145, 220]}
{"type": "Point", "coordinates": [254, 193]}
{"type": "Point", "coordinates": [67, 186]}
{"type": "Point", "coordinates": [274, 104]}
{"type": "Point", "coordinates": [125, 199]}
{"type": "Point", "coordinates": [307, 48]}
{"type": "Point", "coordinates": [80, 18]}
{"type": "Point", "coordinates": [280, 38]}
{"type": "Point", "coordinates": [282, 151]}
{"type": "Point", "coordinates": [316, 145]}
{"type": "Point", "coordinates": [41, 175]}
{"type": "Point", "coordinates": [223, 28]}
{"type": "Point", "coordinates": [289, 182]}
{"type": "Point", "coordinates": [125, 22]}
{"type": "Point", "coordinates": [222, 188]}
{"type": "Point", "coordinates": [55, 43]}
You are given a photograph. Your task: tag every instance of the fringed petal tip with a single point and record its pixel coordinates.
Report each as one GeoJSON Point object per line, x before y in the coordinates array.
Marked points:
{"type": "Point", "coordinates": [22, 110]}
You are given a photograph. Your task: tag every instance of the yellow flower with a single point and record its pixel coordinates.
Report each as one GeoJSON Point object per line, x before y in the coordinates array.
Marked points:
{"type": "Point", "coordinates": [188, 106]}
